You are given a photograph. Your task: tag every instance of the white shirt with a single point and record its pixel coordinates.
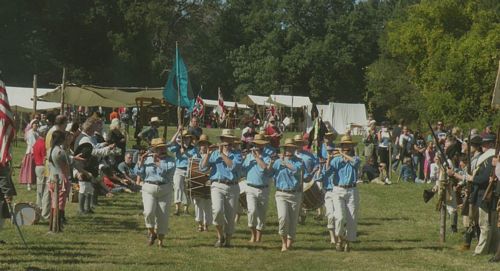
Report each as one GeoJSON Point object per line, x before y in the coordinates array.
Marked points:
{"type": "Point", "coordinates": [434, 171]}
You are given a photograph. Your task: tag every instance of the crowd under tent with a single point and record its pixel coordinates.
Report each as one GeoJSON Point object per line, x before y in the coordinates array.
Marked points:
{"type": "Point", "coordinates": [101, 96]}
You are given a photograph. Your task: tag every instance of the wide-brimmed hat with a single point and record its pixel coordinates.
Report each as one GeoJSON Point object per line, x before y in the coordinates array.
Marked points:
{"type": "Point", "coordinates": [263, 133]}
{"type": "Point", "coordinates": [299, 139]}
{"type": "Point", "coordinates": [289, 142]}
{"type": "Point", "coordinates": [332, 135]}
{"type": "Point", "coordinates": [204, 139]}
{"type": "Point", "coordinates": [476, 140]}
{"type": "Point", "coordinates": [154, 119]}
{"type": "Point", "coordinates": [346, 140]}
{"type": "Point", "coordinates": [228, 133]}
{"type": "Point", "coordinates": [488, 138]}
{"type": "Point", "coordinates": [259, 139]}
{"type": "Point", "coordinates": [85, 150]}
{"type": "Point", "coordinates": [158, 142]}
{"type": "Point", "coordinates": [186, 133]}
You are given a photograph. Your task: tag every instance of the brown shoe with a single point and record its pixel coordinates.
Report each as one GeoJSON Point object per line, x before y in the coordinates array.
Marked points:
{"type": "Point", "coordinates": [151, 239]}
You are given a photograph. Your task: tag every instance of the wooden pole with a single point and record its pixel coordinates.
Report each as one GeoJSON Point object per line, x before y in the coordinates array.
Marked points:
{"type": "Point", "coordinates": [442, 223]}
{"type": "Point", "coordinates": [34, 93]}
{"type": "Point", "coordinates": [62, 90]}
{"type": "Point", "coordinates": [179, 114]}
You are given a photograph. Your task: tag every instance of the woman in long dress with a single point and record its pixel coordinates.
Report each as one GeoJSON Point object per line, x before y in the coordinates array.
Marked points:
{"type": "Point", "coordinates": [27, 175]}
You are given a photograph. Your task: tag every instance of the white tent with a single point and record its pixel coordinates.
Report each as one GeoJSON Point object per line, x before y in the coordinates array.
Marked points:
{"type": "Point", "coordinates": [341, 116]}
{"type": "Point", "coordinates": [289, 101]}
{"type": "Point", "coordinates": [21, 99]}
{"type": "Point", "coordinates": [214, 103]}
{"type": "Point", "coordinates": [255, 100]}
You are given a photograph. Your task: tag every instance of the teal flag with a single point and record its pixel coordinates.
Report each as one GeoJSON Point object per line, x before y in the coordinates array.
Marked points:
{"type": "Point", "coordinates": [178, 82]}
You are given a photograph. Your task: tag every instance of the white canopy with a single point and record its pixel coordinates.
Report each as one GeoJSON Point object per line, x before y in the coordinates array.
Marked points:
{"type": "Point", "coordinates": [21, 99]}
{"type": "Point", "coordinates": [102, 96]}
{"type": "Point", "coordinates": [341, 116]}
{"type": "Point", "coordinates": [289, 101]}
{"type": "Point", "coordinates": [255, 100]}
{"type": "Point", "coordinates": [214, 103]}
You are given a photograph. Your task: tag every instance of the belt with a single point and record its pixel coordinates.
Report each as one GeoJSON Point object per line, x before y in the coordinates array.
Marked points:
{"type": "Point", "coordinates": [226, 182]}
{"type": "Point", "coordinates": [347, 186]}
{"type": "Point", "coordinates": [287, 191]}
{"type": "Point", "coordinates": [183, 168]}
{"type": "Point", "coordinates": [257, 186]}
{"type": "Point", "coordinates": [154, 183]}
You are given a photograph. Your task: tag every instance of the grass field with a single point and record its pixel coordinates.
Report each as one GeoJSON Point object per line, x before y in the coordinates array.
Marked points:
{"type": "Point", "coordinates": [397, 231]}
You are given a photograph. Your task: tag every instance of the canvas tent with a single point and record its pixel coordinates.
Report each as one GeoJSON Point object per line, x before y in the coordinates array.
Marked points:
{"type": "Point", "coordinates": [341, 116]}
{"type": "Point", "coordinates": [21, 99]}
{"type": "Point", "coordinates": [255, 100]}
{"type": "Point", "coordinates": [101, 96]}
{"type": "Point", "coordinates": [215, 103]}
{"type": "Point", "coordinates": [289, 101]}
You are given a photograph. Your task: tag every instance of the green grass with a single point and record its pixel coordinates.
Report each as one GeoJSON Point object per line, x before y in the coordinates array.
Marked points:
{"type": "Point", "coordinates": [397, 231]}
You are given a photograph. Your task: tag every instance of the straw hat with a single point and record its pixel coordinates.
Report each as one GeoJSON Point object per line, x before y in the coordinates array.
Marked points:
{"type": "Point", "coordinates": [299, 139]}
{"type": "Point", "coordinates": [186, 133]}
{"type": "Point", "coordinates": [289, 142]}
{"type": "Point", "coordinates": [228, 133]}
{"type": "Point", "coordinates": [204, 139]}
{"type": "Point", "coordinates": [260, 140]}
{"type": "Point", "coordinates": [154, 119]}
{"type": "Point", "coordinates": [346, 140]}
{"type": "Point", "coordinates": [158, 142]}
{"type": "Point", "coordinates": [332, 135]}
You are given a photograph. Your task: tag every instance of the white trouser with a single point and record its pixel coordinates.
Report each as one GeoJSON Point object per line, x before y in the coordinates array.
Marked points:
{"type": "Point", "coordinates": [330, 210]}
{"type": "Point", "coordinates": [257, 200]}
{"type": "Point", "coordinates": [179, 193]}
{"type": "Point", "coordinates": [156, 200]}
{"type": "Point", "coordinates": [225, 200]}
{"type": "Point", "coordinates": [42, 192]}
{"type": "Point", "coordinates": [484, 224]}
{"type": "Point", "coordinates": [203, 210]}
{"type": "Point", "coordinates": [346, 205]}
{"type": "Point", "coordinates": [288, 205]}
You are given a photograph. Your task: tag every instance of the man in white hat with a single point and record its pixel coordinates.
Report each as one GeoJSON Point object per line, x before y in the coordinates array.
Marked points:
{"type": "Point", "coordinates": [152, 131]}
{"type": "Point", "coordinates": [258, 168]}
{"type": "Point", "coordinates": [224, 164]}
{"type": "Point", "coordinates": [345, 194]}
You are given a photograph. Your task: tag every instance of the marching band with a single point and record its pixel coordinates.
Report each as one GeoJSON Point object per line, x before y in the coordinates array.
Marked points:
{"type": "Point", "coordinates": [209, 174]}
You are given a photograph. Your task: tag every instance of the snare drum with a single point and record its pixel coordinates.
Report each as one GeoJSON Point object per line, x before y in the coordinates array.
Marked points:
{"type": "Point", "coordinates": [198, 183]}
{"type": "Point", "coordinates": [243, 195]}
{"type": "Point", "coordinates": [313, 197]}
{"type": "Point", "coordinates": [26, 213]}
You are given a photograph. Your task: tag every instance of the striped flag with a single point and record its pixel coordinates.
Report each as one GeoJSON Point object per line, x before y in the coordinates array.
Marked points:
{"type": "Point", "coordinates": [199, 107]}
{"type": "Point", "coordinates": [220, 108]}
{"type": "Point", "coordinates": [7, 130]}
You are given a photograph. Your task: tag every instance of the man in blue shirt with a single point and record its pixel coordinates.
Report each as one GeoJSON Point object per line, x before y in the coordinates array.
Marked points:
{"type": "Point", "coordinates": [224, 164]}
{"type": "Point", "coordinates": [345, 194]}
{"type": "Point", "coordinates": [257, 166]}
{"type": "Point", "coordinates": [287, 176]}
{"type": "Point", "coordinates": [184, 150]}
{"type": "Point", "coordinates": [328, 178]}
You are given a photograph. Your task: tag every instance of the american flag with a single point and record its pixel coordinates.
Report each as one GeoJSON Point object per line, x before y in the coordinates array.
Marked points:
{"type": "Point", "coordinates": [220, 108]}
{"type": "Point", "coordinates": [7, 130]}
{"type": "Point", "coordinates": [199, 107]}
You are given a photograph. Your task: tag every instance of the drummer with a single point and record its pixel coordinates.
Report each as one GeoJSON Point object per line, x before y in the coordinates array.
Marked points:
{"type": "Point", "coordinates": [345, 194]}
{"type": "Point", "coordinates": [183, 150]}
{"type": "Point", "coordinates": [258, 168]}
{"type": "Point", "coordinates": [224, 164]}
{"type": "Point", "coordinates": [203, 206]}
{"type": "Point", "coordinates": [287, 177]}
{"type": "Point", "coordinates": [328, 178]}
{"type": "Point", "coordinates": [157, 170]}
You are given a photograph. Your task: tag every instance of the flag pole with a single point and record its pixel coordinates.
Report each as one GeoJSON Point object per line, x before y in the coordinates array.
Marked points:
{"type": "Point", "coordinates": [34, 93]}
{"type": "Point", "coordinates": [62, 90]}
{"type": "Point", "coordinates": [179, 117]}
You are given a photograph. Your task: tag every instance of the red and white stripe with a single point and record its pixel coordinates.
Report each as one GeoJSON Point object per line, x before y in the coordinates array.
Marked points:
{"type": "Point", "coordinates": [199, 107]}
{"type": "Point", "coordinates": [221, 109]}
{"type": "Point", "coordinates": [7, 128]}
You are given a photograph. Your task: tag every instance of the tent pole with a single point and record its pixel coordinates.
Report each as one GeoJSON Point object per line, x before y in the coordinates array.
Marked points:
{"type": "Point", "coordinates": [34, 94]}
{"type": "Point", "coordinates": [62, 90]}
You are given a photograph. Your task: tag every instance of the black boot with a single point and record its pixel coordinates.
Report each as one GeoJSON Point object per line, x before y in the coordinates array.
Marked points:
{"type": "Point", "coordinates": [88, 200]}
{"type": "Point", "coordinates": [61, 220]}
{"type": "Point", "coordinates": [454, 218]}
